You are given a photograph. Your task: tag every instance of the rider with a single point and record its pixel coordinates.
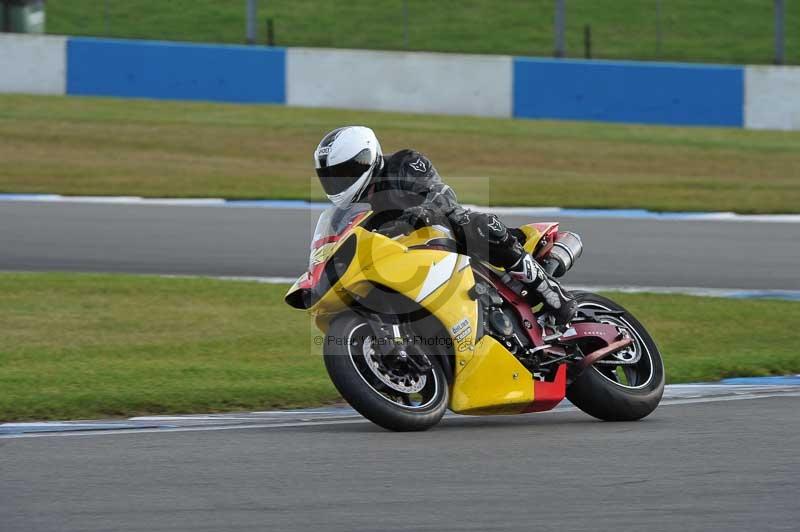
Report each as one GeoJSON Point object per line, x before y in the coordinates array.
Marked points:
{"type": "Point", "coordinates": [406, 186]}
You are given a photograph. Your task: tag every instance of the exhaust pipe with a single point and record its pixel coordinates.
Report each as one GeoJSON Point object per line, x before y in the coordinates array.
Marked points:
{"type": "Point", "coordinates": [566, 250]}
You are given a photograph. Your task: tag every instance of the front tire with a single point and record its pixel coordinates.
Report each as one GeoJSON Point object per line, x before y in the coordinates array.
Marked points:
{"type": "Point", "coordinates": [613, 394]}
{"type": "Point", "coordinates": [413, 405]}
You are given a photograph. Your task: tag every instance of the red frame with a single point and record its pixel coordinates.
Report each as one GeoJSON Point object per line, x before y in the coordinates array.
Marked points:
{"type": "Point", "coordinates": [547, 394]}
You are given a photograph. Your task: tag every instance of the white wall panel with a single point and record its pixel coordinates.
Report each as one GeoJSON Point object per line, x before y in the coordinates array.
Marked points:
{"type": "Point", "coordinates": [399, 81]}
{"type": "Point", "coordinates": [33, 64]}
{"type": "Point", "coordinates": [772, 97]}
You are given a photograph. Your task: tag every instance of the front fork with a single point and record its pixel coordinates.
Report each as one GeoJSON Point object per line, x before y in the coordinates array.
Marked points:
{"type": "Point", "coordinates": [395, 341]}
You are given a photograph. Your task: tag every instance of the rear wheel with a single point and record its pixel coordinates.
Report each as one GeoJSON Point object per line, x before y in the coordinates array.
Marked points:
{"type": "Point", "coordinates": [627, 386]}
{"type": "Point", "coordinates": [388, 393]}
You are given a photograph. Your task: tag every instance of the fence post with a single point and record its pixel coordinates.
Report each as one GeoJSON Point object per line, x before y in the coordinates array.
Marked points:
{"type": "Point", "coordinates": [270, 32]}
{"type": "Point", "coordinates": [779, 38]}
{"type": "Point", "coordinates": [251, 22]}
{"type": "Point", "coordinates": [560, 20]}
{"type": "Point", "coordinates": [659, 31]}
{"type": "Point", "coordinates": [6, 7]}
{"type": "Point", "coordinates": [587, 41]}
{"type": "Point", "coordinates": [405, 24]}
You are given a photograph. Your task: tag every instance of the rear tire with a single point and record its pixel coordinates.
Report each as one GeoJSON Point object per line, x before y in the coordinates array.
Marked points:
{"type": "Point", "coordinates": [599, 392]}
{"type": "Point", "coordinates": [364, 391]}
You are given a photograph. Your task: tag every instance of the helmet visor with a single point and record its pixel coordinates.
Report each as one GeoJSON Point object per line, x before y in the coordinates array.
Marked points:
{"type": "Point", "coordinates": [339, 177]}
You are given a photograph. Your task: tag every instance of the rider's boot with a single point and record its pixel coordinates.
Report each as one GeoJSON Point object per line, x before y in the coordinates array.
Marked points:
{"type": "Point", "coordinates": [554, 299]}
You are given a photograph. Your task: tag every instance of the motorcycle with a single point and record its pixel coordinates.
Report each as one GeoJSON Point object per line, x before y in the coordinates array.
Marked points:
{"type": "Point", "coordinates": [413, 326]}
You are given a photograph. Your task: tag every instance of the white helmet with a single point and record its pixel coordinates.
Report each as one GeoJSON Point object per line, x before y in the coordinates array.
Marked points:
{"type": "Point", "coordinates": [345, 160]}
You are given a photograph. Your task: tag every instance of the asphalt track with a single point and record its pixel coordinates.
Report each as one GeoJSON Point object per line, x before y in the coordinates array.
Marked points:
{"type": "Point", "coordinates": [241, 241]}
{"type": "Point", "coordinates": [725, 465]}
{"type": "Point", "coordinates": [730, 464]}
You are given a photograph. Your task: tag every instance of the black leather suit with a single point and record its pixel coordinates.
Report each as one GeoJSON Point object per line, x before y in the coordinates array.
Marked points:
{"type": "Point", "coordinates": [409, 188]}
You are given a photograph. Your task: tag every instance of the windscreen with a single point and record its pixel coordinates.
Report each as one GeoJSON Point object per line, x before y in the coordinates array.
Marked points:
{"type": "Point", "coordinates": [330, 225]}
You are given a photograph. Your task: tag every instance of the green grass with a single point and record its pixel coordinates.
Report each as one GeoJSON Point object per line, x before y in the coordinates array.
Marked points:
{"type": "Point", "coordinates": [734, 31]}
{"type": "Point", "coordinates": [73, 145]}
{"type": "Point", "coordinates": [81, 346]}
{"type": "Point", "coordinates": [93, 346]}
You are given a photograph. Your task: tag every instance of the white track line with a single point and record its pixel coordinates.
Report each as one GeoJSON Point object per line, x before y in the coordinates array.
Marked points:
{"type": "Point", "coordinates": [736, 293]}
{"type": "Point", "coordinates": [511, 211]}
{"type": "Point", "coordinates": [358, 419]}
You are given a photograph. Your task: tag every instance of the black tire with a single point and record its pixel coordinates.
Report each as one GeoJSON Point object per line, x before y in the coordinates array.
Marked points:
{"type": "Point", "coordinates": [596, 393]}
{"type": "Point", "coordinates": [360, 389]}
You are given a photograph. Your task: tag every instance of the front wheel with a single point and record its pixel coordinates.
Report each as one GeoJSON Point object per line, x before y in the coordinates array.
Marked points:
{"type": "Point", "coordinates": [391, 395]}
{"type": "Point", "coordinates": [624, 391]}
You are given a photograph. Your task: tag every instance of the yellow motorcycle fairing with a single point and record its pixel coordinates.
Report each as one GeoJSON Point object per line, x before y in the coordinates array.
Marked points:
{"type": "Point", "coordinates": [488, 379]}
{"type": "Point", "coordinates": [495, 382]}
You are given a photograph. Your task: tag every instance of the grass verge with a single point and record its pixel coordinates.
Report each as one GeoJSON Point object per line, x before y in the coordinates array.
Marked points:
{"type": "Point", "coordinates": [182, 149]}
{"type": "Point", "coordinates": [738, 31]}
{"type": "Point", "coordinates": [93, 346]}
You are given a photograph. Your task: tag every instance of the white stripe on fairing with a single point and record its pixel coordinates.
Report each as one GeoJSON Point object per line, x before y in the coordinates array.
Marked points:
{"type": "Point", "coordinates": [509, 211]}
{"type": "Point", "coordinates": [438, 274]}
{"type": "Point", "coordinates": [358, 419]}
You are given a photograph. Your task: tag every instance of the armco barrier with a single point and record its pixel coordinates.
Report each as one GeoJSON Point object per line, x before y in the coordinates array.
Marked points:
{"type": "Point", "coordinates": [613, 91]}
{"type": "Point", "coordinates": [645, 93]}
{"type": "Point", "coordinates": [32, 64]}
{"type": "Point", "coordinates": [147, 69]}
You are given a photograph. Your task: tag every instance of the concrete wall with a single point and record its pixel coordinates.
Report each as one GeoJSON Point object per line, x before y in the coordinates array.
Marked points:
{"type": "Point", "coordinates": [613, 91]}
{"type": "Point", "coordinates": [397, 81]}
{"type": "Point", "coordinates": [32, 64]}
{"type": "Point", "coordinates": [772, 97]}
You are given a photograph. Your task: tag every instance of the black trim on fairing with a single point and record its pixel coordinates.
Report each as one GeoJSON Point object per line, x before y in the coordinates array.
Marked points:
{"type": "Point", "coordinates": [445, 244]}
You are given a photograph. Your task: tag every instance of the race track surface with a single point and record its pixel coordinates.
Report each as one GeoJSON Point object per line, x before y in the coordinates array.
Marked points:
{"type": "Point", "coordinates": [273, 242]}
{"type": "Point", "coordinates": [726, 465]}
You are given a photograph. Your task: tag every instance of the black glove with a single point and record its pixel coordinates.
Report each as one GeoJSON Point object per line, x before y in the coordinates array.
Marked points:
{"type": "Point", "coordinates": [394, 228]}
{"type": "Point", "coordinates": [419, 216]}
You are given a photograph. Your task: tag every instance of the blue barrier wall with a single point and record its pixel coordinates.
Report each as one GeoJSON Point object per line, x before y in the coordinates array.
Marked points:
{"type": "Point", "coordinates": [611, 91]}
{"type": "Point", "coordinates": [146, 69]}
{"type": "Point", "coordinates": [647, 93]}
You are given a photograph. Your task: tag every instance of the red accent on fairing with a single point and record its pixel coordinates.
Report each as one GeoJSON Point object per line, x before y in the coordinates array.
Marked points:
{"type": "Point", "coordinates": [312, 277]}
{"type": "Point", "coordinates": [545, 228]}
{"type": "Point", "coordinates": [548, 230]}
{"type": "Point", "coordinates": [324, 240]}
{"type": "Point", "coordinates": [334, 238]}
{"type": "Point", "coordinates": [314, 274]}
{"type": "Point", "coordinates": [546, 395]}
